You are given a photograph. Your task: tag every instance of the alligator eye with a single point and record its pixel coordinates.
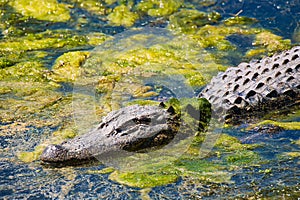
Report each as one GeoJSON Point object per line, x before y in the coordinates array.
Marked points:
{"type": "Point", "coordinates": [101, 126]}
{"type": "Point", "coordinates": [142, 120]}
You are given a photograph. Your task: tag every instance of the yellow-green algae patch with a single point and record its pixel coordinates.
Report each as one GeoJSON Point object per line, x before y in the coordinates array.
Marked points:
{"type": "Point", "coordinates": [43, 40]}
{"type": "Point", "coordinates": [188, 21]}
{"type": "Point", "coordinates": [93, 6]}
{"type": "Point", "coordinates": [158, 8]}
{"type": "Point", "coordinates": [67, 67]}
{"type": "Point", "coordinates": [160, 167]}
{"type": "Point", "coordinates": [268, 42]}
{"type": "Point", "coordinates": [239, 20]}
{"type": "Point", "coordinates": [142, 179]}
{"type": "Point", "coordinates": [122, 16]}
{"type": "Point", "coordinates": [49, 10]}
{"type": "Point", "coordinates": [284, 125]}
{"type": "Point", "coordinates": [297, 142]}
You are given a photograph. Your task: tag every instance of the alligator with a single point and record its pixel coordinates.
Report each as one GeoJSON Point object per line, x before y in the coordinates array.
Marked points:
{"type": "Point", "coordinates": [243, 91]}
{"type": "Point", "coordinates": [133, 128]}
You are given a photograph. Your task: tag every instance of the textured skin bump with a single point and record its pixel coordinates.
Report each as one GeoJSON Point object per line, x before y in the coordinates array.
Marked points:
{"type": "Point", "coordinates": [256, 87]}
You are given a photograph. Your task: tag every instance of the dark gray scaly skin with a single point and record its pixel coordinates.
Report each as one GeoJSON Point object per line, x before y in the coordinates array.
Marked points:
{"type": "Point", "coordinates": [256, 87]}
{"type": "Point", "coordinates": [132, 128]}
{"type": "Point", "coordinates": [250, 88]}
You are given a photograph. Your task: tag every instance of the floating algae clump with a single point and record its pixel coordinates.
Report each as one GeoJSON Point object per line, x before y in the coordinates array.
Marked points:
{"type": "Point", "coordinates": [49, 10]}
{"type": "Point", "coordinates": [67, 67]}
{"type": "Point", "coordinates": [162, 167]}
{"type": "Point", "coordinates": [268, 42]}
{"type": "Point", "coordinates": [284, 125]}
{"type": "Point", "coordinates": [93, 6]}
{"type": "Point", "coordinates": [142, 179]}
{"type": "Point", "coordinates": [158, 8]}
{"type": "Point", "coordinates": [122, 16]}
{"type": "Point", "coordinates": [44, 40]}
{"type": "Point", "coordinates": [190, 20]}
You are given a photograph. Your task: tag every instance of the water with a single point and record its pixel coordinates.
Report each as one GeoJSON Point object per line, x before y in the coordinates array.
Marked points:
{"type": "Point", "coordinates": [278, 177]}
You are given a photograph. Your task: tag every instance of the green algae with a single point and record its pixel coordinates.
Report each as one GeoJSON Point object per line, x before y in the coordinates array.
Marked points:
{"type": "Point", "coordinates": [204, 170]}
{"type": "Point", "coordinates": [266, 41]}
{"type": "Point", "coordinates": [159, 8]}
{"type": "Point", "coordinates": [24, 71]}
{"type": "Point", "coordinates": [122, 16]}
{"type": "Point", "coordinates": [240, 20]}
{"type": "Point", "coordinates": [188, 21]}
{"type": "Point", "coordinates": [44, 40]}
{"type": "Point", "coordinates": [297, 142]}
{"type": "Point", "coordinates": [67, 67]}
{"type": "Point", "coordinates": [28, 157]}
{"type": "Point", "coordinates": [95, 38]}
{"type": "Point", "coordinates": [93, 6]}
{"type": "Point", "coordinates": [230, 143]}
{"type": "Point", "coordinates": [284, 125]}
{"type": "Point", "coordinates": [148, 170]}
{"type": "Point", "coordinates": [49, 10]}
{"type": "Point", "coordinates": [143, 180]}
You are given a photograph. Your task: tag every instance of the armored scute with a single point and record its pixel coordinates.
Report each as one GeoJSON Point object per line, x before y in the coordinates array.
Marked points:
{"type": "Point", "coordinates": [255, 87]}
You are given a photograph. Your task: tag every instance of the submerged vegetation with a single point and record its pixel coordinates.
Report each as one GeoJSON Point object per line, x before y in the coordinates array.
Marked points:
{"type": "Point", "coordinates": [49, 73]}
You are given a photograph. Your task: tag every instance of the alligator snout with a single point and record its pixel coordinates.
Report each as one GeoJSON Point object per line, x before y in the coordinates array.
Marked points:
{"type": "Point", "coordinates": [54, 153]}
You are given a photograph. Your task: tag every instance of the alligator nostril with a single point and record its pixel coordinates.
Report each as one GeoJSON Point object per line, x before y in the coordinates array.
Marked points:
{"type": "Point", "coordinates": [52, 153]}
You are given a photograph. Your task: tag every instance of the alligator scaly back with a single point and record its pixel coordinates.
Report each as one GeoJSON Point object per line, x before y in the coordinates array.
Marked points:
{"type": "Point", "coordinates": [256, 87]}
